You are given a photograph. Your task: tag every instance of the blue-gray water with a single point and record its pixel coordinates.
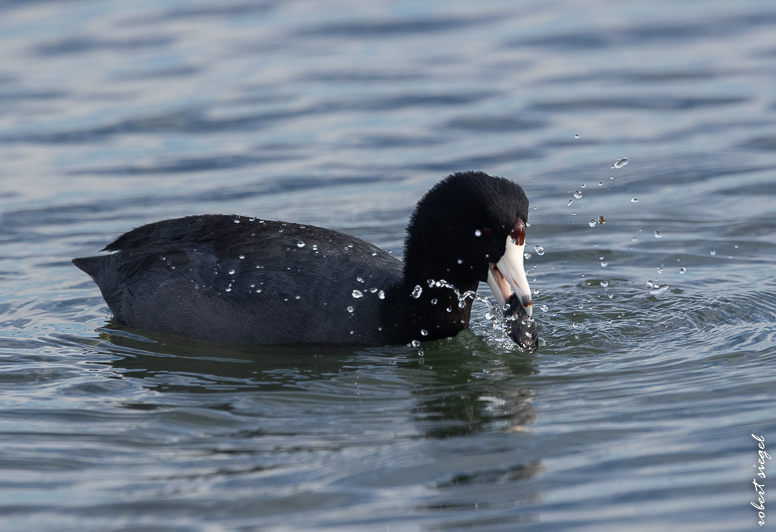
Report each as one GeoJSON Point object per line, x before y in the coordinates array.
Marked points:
{"type": "Point", "coordinates": [637, 411]}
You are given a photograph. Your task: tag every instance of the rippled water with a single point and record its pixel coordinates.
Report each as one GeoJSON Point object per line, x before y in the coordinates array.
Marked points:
{"type": "Point", "coordinates": [637, 411]}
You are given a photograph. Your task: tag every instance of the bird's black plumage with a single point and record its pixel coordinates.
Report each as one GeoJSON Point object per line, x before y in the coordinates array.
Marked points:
{"type": "Point", "coordinates": [244, 280]}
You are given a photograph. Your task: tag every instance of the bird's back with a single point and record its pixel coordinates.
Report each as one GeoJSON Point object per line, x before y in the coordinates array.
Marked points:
{"type": "Point", "coordinates": [245, 280]}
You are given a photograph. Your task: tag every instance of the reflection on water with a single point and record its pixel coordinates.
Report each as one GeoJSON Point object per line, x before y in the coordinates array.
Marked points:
{"type": "Point", "coordinates": [637, 410]}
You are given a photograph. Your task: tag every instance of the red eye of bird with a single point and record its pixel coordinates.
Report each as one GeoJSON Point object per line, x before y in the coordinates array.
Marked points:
{"type": "Point", "coordinates": [487, 232]}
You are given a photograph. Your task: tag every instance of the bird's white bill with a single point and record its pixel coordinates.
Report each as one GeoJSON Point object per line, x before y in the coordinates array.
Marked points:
{"type": "Point", "coordinates": [508, 275]}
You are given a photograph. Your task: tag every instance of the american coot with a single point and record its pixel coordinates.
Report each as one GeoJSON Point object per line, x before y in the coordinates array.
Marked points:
{"type": "Point", "coordinates": [242, 280]}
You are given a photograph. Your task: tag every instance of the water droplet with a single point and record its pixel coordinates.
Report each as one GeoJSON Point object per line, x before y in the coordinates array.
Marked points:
{"type": "Point", "coordinates": [527, 256]}
{"type": "Point", "coordinates": [536, 290]}
{"type": "Point", "coordinates": [477, 232]}
{"type": "Point", "coordinates": [417, 291]}
{"type": "Point", "coordinates": [434, 301]}
{"type": "Point", "coordinates": [659, 269]}
{"type": "Point", "coordinates": [620, 163]}
{"type": "Point", "coordinates": [297, 297]}
{"type": "Point", "coordinates": [634, 200]}
{"type": "Point", "coordinates": [600, 183]}
{"type": "Point", "coordinates": [231, 272]}
{"type": "Point", "coordinates": [591, 223]}
{"type": "Point", "coordinates": [357, 294]}
{"type": "Point", "coordinates": [604, 283]}
{"type": "Point", "coordinates": [583, 185]}
{"type": "Point", "coordinates": [359, 279]}
{"type": "Point", "coordinates": [488, 316]}
{"type": "Point", "coordinates": [381, 294]}
{"type": "Point", "coordinates": [604, 264]}
{"type": "Point", "coordinates": [227, 290]}
{"type": "Point", "coordinates": [569, 203]}
{"type": "Point", "coordinates": [300, 244]}
{"type": "Point", "coordinates": [242, 257]}
{"type": "Point", "coordinates": [539, 250]}
{"type": "Point", "coordinates": [682, 269]}
{"type": "Point", "coordinates": [258, 290]}
{"type": "Point", "coordinates": [712, 252]}
{"type": "Point", "coordinates": [460, 261]}
{"type": "Point", "coordinates": [573, 214]}
{"type": "Point", "coordinates": [236, 220]}
{"type": "Point", "coordinates": [449, 309]}
{"type": "Point", "coordinates": [415, 343]}
{"type": "Point", "coordinates": [544, 308]}
{"type": "Point", "coordinates": [577, 194]}
{"type": "Point", "coordinates": [576, 136]}
{"type": "Point", "coordinates": [350, 309]}
{"type": "Point", "coordinates": [253, 285]}
{"type": "Point", "coordinates": [601, 220]}
{"type": "Point", "coordinates": [315, 247]}
{"type": "Point", "coordinates": [350, 245]}
{"type": "Point", "coordinates": [373, 290]}
{"type": "Point", "coordinates": [658, 234]}
{"type": "Point", "coordinates": [575, 325]}
{"type": "Point", "coordinates": [424, 332]}
{"type": "Point", "coordinates": [461, 304]}
{"type": "Point", "coordinates": [650, 284]}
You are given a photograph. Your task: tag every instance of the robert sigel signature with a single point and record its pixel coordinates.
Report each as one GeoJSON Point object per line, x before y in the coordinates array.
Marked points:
{"type": "Point", "coordinates": [760, 488]}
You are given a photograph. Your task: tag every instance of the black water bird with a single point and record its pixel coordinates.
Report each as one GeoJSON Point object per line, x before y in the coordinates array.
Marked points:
{"type": "Point", "coordinates": [242, 280]}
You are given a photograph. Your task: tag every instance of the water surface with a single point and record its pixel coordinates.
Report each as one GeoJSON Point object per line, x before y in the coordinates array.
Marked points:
{"type": "Point", "coordinates": [658, 355]}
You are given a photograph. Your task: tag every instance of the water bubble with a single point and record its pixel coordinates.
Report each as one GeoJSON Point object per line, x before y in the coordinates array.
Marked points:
{"type": "Point", "coordinates": [577, 194]}
{"type": "Point", "coordinates": [357, 294]}
{"type": "Point", "coordinates": [300, 244]}
{"type": "Point", "coordinates": [350, 309]}
{"type": "Point", "coordinates": [682, 269]}
{"type": "Point", "coordinates": [231, 272]}
{"type": "Point", "coordinates": [620, 163]}
{"type": "Point", "coordinates": [659, 269]}
{"type": "Point", "coordinates": [712, 252]}
{"type": "Point", "coordinates": [527, 256]}
{"type": "Point", "coordinates": [421, 353]}
{"type": "Point", "coordinates": [460, 261]}
{"type": "Point", "coordinates": [576, 136]}
{"type": "Point", "coordinates": [569, 203]}
{"type": "Point", "coordinates": [381, 294]}
{"type": "Point", "coordinates": [591, 223]}
{"type": "Point", "coordinates": [634, 200]}
{"type": "Point", "coordinates": [601, 220]}
{"type": "Point", "coordinates": [434, 301]}
{"type": "Point", "coordinates": [604, 283]}
{"type": "Point", "coordinates": [544, 308]}
{"type": "Point", "coordinates": [417, 291]}
{"type": "Point", "coordinates": [539, 250]}
{"type": "Point", "coordinates": [416, 343]}
{"type": "Point", "coordinates": [658, 234]}
{"type": "Point", "coordinates": [477, 232]}
{"type": "Point", "coordinates": [423, 332]}
{"type": "Point", "coordinates": [658, 289]}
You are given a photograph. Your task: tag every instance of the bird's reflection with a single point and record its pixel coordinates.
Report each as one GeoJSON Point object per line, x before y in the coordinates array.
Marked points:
{"type": "Point", "coordinates": [459, 385]}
